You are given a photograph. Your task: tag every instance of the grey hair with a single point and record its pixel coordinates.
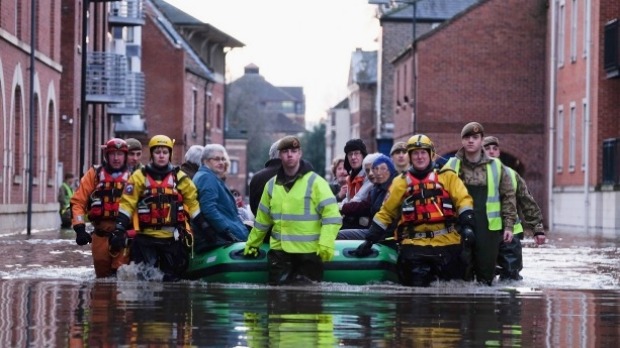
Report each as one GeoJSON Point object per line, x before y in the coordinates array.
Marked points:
{"type": "Point", "coordinates": [210, 149]}
{"type": "Point", "coordinates": [193, 154]}
{"type": "Point", "coordinates": [273, 150]}
{"type": "Point", "coordinates": [370, 158]}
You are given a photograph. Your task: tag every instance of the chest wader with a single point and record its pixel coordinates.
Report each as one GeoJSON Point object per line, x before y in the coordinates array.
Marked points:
{"type": "Point", "coordinates": [487, 244]}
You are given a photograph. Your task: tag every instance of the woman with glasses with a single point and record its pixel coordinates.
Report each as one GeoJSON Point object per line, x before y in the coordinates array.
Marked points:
{"type": "Point", "coordinates": [382, 172]}
{"type": "Point", "coordinates": [217, 204]}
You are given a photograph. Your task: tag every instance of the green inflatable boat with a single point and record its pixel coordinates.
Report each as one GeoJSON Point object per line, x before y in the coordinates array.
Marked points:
{"type": "Point", "coordinates": [228, 265]}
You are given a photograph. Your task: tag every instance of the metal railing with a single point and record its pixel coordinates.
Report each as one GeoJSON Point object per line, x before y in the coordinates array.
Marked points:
{"type": "Point", "coordinates": [106, 78]}
{"type": "Point", "coordinates": [126, 13]}
{"type": "Point", "coordinates": [133, 104]}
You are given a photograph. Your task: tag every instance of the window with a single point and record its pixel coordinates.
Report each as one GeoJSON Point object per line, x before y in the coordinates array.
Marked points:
{"type": "Point", "coordinates": [194, 111]}
{"type": "Point", "coordinates": [586, 28]}
{"type": "Point", "coordinates": [583, 136]}
{"type": "Point", "coordinates": [559, 142]}
{"type": "Point", "coordinates": [561, 33]}
{"type": "Point", "coordinates": [572, 137]}
{"type": "Point", "coordinates": [573, 32]}
{"type": "Point", "coordinates": [234, 167]}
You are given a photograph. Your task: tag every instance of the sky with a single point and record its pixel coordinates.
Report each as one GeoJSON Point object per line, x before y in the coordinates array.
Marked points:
{"type": "Point", "coordinates": [305, 43]}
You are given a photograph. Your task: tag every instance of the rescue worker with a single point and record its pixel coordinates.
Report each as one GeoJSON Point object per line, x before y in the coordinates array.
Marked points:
{"type": "Point", "coordinates": [400, 156]}
{"type": "Point", "coordinates": [260, 178]}
{"type": "Point", "coordinates": [355, 152]}
{"type": "Point", "coordinates": [427, 204]}
{"type": "Point", "coordinates": [510, 260]}
{"type": "Point", "coordinates": [97, 198]}
{"type": "Point", "coordinates": [65, 192]}
{"type": "Point", "coordinates": [489, 184]}
{"type": "Point", "coordinates": [300, 210]}
{"type": "Point", "coordinates": [157, 194]}
{"type": "Point", "coordinates": [135, 154]}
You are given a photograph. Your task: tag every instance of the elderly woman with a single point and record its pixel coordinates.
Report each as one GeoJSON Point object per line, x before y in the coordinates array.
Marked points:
{"type": "Point", "coordinates": [192, 160]}
{"type": "Point", "coordinates": [356, 215]}
{"type": "Point", "coordinates": [383, 172]}
{"type": "Point", "coordinates": [217, 204]}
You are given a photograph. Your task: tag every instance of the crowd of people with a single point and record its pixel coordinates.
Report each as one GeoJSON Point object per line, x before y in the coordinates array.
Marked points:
{"type": "Point", "coordinates": [464, 220]}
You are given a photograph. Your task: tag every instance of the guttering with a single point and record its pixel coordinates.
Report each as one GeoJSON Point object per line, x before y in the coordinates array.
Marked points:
{"type": "Point", "coordinates": [586, 121]}
{"type": "Point", "coordinates": [551, 130]}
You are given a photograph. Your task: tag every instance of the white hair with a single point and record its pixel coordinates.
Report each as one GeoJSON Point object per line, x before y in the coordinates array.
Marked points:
{"type": "Point", "coordinates": [370, 158]}
{"type": "Point", "coordinates": [273, 150]}
{"type": "Point", "coordinates": [194, 154]}
{"type": "Point", "coordinates": [210, 149]}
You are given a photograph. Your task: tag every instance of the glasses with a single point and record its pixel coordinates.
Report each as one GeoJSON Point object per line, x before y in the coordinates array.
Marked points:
{"type": "Point", "coordinates": [218, 159]}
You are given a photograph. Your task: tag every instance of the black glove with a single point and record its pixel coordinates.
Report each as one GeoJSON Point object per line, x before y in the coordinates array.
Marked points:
{"type": "Point", "coordinates": [364, 249]}
{"type": "Point", "coordinates": [204, 231]}
{"type": "Point", "coordinates": [82, 237]}
{"type": "Point", "coordinates": [467, 218]}
{"type": "Point", "coordinates": [467, 236]}
{"type": "Point", "coordinates": [375, 233]}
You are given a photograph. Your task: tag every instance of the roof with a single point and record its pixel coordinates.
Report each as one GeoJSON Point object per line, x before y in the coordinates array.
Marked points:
{"type": "Point", "coordinates": [264, 91]}
{"type": "Point", "coordinates": [363, 68]}
{"type": "Point", "coordinates": [182, 19]}
{"type": "Point", "coordinates": [427, 10]}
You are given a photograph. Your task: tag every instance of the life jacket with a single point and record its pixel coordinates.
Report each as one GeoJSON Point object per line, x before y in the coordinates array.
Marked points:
{"type": "Point", "coordinates": [105, 198]}
{"type": "Point", "coordinates": [426, 201]}
{"type": "Point", "coordinates": [161, 204]}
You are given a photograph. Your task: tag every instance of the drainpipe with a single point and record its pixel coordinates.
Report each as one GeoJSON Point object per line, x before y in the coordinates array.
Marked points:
{"type": "Point", "coordinates": [586, 118]}
{"type": "Point", "coordinates": [31, 134]}
{"type": "Point", "coordinates": [552, 90]}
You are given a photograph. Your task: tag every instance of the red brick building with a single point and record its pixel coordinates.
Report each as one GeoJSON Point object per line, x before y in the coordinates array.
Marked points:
{"type": "Point", "coordinates": [475, 67]}
{"type": "Point", "coordinates": [26, 131]}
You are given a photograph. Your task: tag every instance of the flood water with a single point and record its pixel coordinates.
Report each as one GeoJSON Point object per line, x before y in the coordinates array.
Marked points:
{"type": "Point", "coordinates": [570, 297]}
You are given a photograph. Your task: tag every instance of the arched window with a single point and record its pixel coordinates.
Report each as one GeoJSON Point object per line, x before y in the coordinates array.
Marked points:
{"type": "Point", "coordinates": [18, 154]}
{"type": "Point", "coordinates": [50, 141]}
{"type": "Point", "coordinates": [36, 153]}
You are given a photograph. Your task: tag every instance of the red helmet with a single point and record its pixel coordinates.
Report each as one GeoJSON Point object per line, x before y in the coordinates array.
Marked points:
{"type": "Point", "coordinates": [115, 144]}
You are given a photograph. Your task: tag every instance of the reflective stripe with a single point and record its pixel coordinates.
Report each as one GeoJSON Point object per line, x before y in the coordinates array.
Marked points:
{"type": "Point", "coordinates": [493, 203]}
{"type": "Point", "coordinates": [518, 227]}
{"type": "Point", "coordinates": [334, 220]}
{"type": "Point", "coordinates": [262, 227]}
{"type": "Point", "coordinates": [294, 238]}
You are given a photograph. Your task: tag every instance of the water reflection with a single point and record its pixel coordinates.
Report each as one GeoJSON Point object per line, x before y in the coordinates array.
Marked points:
{"type": "Point", "coordinates": [44, 313]}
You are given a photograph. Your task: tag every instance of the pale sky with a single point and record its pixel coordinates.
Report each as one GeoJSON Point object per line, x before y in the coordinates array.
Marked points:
{"type": "Point", "coordinates": [305, 43]}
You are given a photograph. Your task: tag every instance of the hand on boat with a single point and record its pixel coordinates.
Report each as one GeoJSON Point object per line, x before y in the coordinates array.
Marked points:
{"type": "Point", "coordinates": [364, 249]}
{"type": "Point", "coordinates": [325, 253]}
{"type": "Point", "coordinates": [250, 251]}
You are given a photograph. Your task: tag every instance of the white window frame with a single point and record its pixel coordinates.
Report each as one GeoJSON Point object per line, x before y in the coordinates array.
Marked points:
{"type": "Point", "coordinates": [583, 134]}
{"type": "Point", "coordinates": [561, 33]}
{"type": "Point", "coordinates": [559, 142]}
{"type": "Point", "coordinates": [572, 136]}
{"type": "Point", "coordinates": [573, 31]}
{"type": "Point", "coordinates": [586, 28]}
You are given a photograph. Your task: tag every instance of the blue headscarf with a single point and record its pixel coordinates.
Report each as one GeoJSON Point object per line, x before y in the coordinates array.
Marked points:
{"type": "Point", "coordinates": [388, 161]}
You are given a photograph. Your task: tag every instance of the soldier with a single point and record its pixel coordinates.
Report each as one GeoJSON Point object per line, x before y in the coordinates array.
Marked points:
{"type": "Point", "coordinates": [510, 258]}
{"type": "Point", "coordinates": [399, 156]}
{"type": "Point", "coordinates": [134, 155]}
{"type": "Point", "coordinates": [495, 210]}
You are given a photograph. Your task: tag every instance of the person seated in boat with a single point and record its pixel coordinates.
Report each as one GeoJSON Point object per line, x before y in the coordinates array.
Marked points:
{"type": "Point", "coordinates": [192, 160]}
{"type": "Point", "coordinates": [338, 182]}
{"type": "Point", "coordinates": [217, 203]}
{"type": "Point", "coordinates": [300, 210]}
{"type": "Point", "coordinates": [427, 204]}
{"type": "Point", "coordinates": [356, 211]}
{"type": "Point", "coordinates": [243, 210]}
{"type": "Point", "coordinates": [162, 197]}
{"type": "Point", "coordinates": [383, 172]}
{"type": "Point", "coordinates": [355, 152]}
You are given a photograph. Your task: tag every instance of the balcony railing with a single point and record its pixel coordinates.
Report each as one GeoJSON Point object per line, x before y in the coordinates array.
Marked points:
{"type": "Point", "coordinates": [126, 13]}
{"type": "Point", "coordinates": [106, 78]}
{"type": "Point", "coordinates": [134, 97]}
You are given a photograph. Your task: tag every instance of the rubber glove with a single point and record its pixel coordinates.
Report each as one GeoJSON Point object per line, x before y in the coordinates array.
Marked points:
{"type": "Point", "coordinates": [325, 252]}
{"type": "Point", "coordinates": [250, 251]}
{"type": "Point", "coordinates": [81, 236]}
{"type": "Point", "coordinates": [255, 239]}
{"type": "Point", "coordinates": [364, 249]}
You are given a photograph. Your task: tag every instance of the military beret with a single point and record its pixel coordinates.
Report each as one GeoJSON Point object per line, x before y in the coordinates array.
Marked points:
{"type": "Point", "coordinates": [401, 145]}
{"type": "Point", "coordinates": [133, 144]}
{"type": "Point", "coordinates": [289, 142]}
{"type": "Point", "coordinates": [490, 140]}
{"type": "Point", "coordinates": [472, 128]}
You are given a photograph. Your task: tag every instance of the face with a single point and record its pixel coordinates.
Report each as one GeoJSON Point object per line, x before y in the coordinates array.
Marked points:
{"type": "Point", "coordinates": [116, 159]}
{"type": "Point", "coordinates": [133, 158]}
{"type": "Point", "coordinates": [381, 172]}
{"type": "Point", "coordinates": [420, 159]}
{"type": "Point", "coordinates": [472, 143]}
{"type": "Point", "coordinates": [492, 150]}
{"type": "Point", "coordinates": [238, 198]}
{"type": "Point", "coordinates": [290, 158]}
{"type": "Point", "coordinates": [369, 173]}
{"type": "Point", "coordinates": [400, 158]}
{"type": "Point", "coordinates": [341, 173]}
{"type": "Point", "coordinates": [355, 159]}
{"type": "Point", "coordinates": [161, 156]}
{"type": "Point", "coordinates": [217, 162]}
